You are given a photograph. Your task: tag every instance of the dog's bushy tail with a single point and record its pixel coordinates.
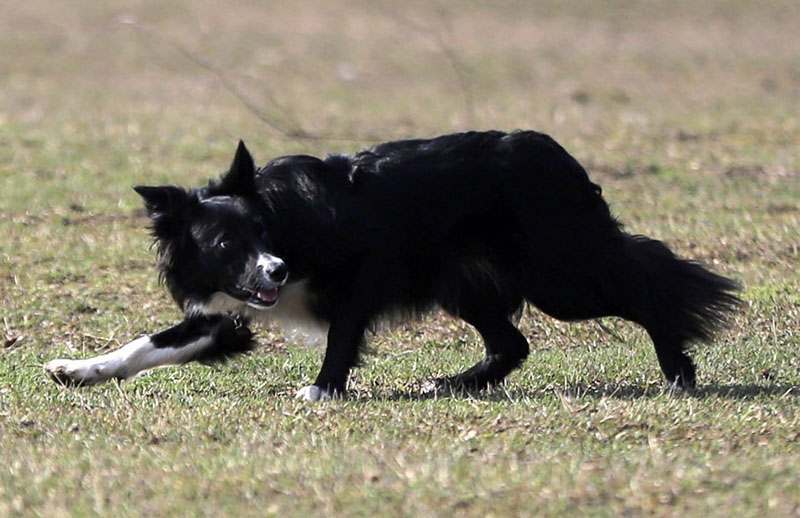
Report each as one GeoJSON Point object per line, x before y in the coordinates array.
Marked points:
{"type": "Point", "coordinates": [683, 301]}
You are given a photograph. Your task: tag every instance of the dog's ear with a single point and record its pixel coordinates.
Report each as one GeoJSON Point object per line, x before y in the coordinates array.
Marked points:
{"type": "Point", "coordinates": [240, 179]}
{"type": "Point", "coordinates": [165, 200]}
{"type": "Point", "coordinates": [169, 209]}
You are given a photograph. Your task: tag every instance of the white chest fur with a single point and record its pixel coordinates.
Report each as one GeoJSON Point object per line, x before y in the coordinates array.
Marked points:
{"type": "Point", "coordinates": [291, 312]}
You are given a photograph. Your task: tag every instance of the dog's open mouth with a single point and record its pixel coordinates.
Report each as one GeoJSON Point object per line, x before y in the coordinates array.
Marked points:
{"type": "Point", "coordinates": [260, 297]}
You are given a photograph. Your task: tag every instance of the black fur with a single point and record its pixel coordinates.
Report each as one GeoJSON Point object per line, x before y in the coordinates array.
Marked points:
{"type": "Point", "coordinates": [474, 223]}
{"type": "Point", "coordinates": [229, 337]}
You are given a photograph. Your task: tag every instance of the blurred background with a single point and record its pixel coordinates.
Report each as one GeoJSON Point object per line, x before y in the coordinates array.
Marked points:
{"type": "Point", "coordinates": [627, 85]}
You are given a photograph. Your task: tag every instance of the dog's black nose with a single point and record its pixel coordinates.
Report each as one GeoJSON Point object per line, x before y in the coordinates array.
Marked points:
{"type": "Point", "coordinates": [279, 272]}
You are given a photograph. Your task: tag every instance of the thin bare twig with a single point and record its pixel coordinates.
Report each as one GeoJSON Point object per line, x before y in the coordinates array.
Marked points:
{"type": "Point", "coordinates": [460, 70]}
{"type": "Point", "coordinates": [289, 131]}
{"type": "Point", "coordinates": [288, 127]}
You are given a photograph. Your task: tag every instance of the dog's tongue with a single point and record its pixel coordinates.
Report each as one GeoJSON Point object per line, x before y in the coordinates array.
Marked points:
{"type": "Point", "coordinates": [268, 295]}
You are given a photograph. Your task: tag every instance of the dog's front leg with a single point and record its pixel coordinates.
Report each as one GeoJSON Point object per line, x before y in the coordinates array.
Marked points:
{"type": "Point", "coordinates": [345, 339]}
{"type": "Point", "coordinates": [201, 338]}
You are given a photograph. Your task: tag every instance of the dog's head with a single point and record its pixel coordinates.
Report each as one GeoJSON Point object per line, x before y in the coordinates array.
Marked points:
{"type": "Point", "coordinates": [214, 248]}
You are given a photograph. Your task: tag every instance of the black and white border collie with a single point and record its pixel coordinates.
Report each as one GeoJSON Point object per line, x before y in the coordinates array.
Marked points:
{"type": "Point", "coordinates": [476, 223]}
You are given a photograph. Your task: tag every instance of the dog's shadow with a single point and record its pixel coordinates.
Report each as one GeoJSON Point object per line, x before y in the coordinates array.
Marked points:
{"type": "Point", "coordinates": [745, 391]}
{"type": "Point", "coordinates": [739, 391]}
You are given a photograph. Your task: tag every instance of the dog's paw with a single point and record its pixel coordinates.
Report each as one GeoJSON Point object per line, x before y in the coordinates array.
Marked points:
{"type": "Point", "coordinates": [677, 389]}
{"type": "Point", "coordinates": [430, 386]}
{"type": "Point", "coordinates": [441, 386]}
{"type": "Point", "coordinates": [315, 393]}
{"type": "Point", "coordinates": [455, 385]}
{"type": "Point", "coordinates": [72, 373]}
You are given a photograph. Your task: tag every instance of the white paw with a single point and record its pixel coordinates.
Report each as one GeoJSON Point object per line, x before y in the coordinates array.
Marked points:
{"type": "Point", "coordinates": [314, 393]}
{"type": "Point", "coordinates": [73, 373]}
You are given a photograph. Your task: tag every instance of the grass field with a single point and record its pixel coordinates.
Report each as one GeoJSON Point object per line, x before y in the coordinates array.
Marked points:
{"type": "Point", "coordinates": [685, 112]}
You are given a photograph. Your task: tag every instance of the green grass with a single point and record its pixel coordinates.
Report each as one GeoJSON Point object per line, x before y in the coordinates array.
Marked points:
{"type": "Point", "coordinates": [684, 112]}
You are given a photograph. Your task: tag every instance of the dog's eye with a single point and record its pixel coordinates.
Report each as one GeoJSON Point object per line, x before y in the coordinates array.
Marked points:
{"type": "Point", "coordinates": [224, 242]}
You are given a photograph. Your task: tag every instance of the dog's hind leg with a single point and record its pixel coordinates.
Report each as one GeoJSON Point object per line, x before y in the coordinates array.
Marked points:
{"type": "Point", "coordinates": [505, 346]}
{"type": "Point", "coordinates": [197, 338]}
{"type": "Point", "coordinates": [680, 302]}
{"type": "Point", "coordinates": [639, 279]}
{"type": "Point", "coordinates": [677, 366]}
